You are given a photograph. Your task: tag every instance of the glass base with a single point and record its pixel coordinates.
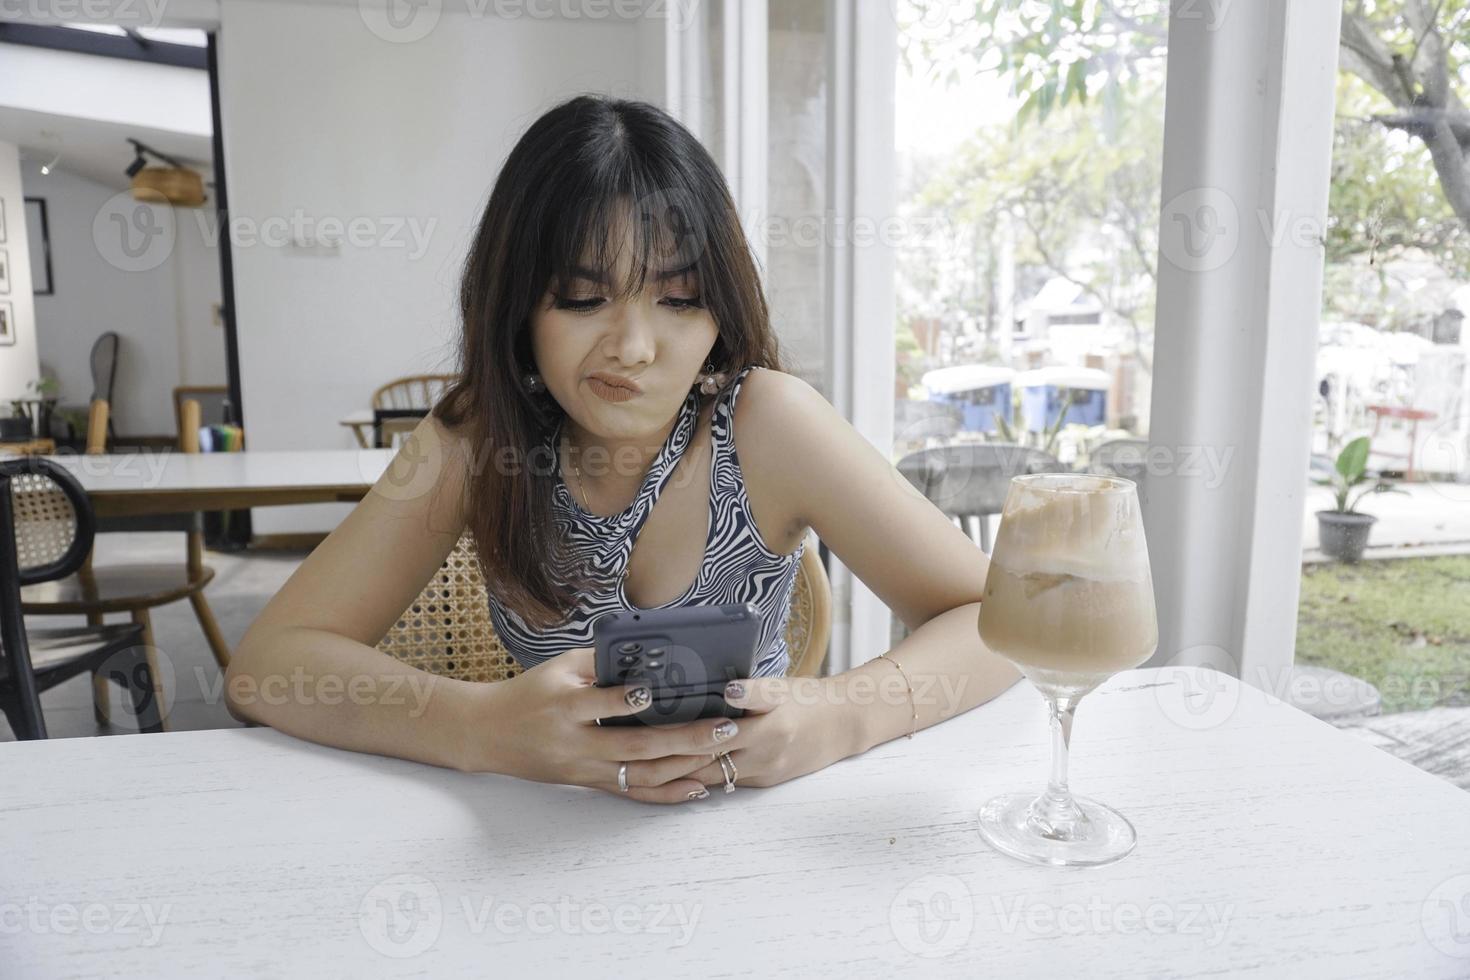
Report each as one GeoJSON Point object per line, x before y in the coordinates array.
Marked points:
{"type": "Point", "coordinates": [1014, 824]}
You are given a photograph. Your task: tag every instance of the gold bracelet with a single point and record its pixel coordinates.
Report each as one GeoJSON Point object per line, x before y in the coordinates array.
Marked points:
{"type": "Point", "coordinates": [906, 681]}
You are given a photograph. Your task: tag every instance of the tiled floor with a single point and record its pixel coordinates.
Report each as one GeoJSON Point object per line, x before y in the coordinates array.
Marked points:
{"type": "Point", "coordinates": [242, 585]}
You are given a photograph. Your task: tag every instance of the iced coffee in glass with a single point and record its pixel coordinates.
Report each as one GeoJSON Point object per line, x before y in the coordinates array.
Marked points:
{"type": "Point", "coordinates": [1069, 600]}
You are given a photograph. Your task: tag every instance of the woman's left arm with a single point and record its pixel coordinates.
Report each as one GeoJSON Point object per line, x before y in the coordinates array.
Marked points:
{"type": "Point", "coordinates": [902, 547]}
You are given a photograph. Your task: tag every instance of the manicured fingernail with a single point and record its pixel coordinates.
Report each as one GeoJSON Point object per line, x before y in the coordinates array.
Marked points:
{"type": "Point", "coordinates": [699, 794]}
{"type": "Point", "coordinates": [638, 698]}
{"type": "Point", "coordinates": [734, 691]}
{"type": "Point", "coordinates": [725, 729]}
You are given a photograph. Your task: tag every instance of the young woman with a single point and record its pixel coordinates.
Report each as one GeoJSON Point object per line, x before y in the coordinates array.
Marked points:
{"type": "Point", "coordinates": [622, 435]}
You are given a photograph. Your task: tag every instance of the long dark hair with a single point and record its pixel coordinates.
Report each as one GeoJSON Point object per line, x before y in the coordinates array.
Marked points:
{"type": "Point", "coordinates": [555, 202]}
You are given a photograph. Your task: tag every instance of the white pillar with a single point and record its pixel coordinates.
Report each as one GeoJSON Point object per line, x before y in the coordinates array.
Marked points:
{"type": "Point", "coordinates": [861, 175]}
{"type": "Point", "coordinates": [1248, 140]}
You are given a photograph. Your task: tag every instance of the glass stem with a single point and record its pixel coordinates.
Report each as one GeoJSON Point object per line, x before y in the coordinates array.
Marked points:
{"type": "Point", "coordinates": [1055, 814]}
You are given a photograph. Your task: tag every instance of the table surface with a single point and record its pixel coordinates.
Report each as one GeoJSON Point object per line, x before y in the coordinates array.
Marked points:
{"type": "Point", "coordinates": [172, 472]}
{"type": "Point", "coordinates": [1270, 845]}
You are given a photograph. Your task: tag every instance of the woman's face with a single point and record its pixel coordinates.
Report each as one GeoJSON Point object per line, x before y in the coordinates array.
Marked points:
{"type": "Point", "coordinates": [657, 341]}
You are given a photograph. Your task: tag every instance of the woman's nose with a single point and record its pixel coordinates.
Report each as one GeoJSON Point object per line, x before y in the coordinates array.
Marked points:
{"type": "Point", "coordinates": [631, 339]}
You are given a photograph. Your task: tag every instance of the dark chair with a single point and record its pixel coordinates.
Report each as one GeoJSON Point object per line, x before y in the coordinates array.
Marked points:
{"type": "Point", "coordinates": [136, 588]}
{"type": "Point", "coordinates": [391, 422]}
{"type": "Point", "coordinates": [969, 481]}
{"type": "Point", "coordinates": [1127, 458]}
{"type": "Point", "coordinates": [52, 542]}
{"type": "Point", "coordinates": [104, 373]}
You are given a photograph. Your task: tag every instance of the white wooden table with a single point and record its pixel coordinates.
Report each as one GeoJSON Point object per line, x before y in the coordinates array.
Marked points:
{"type": "Point", "coordinates": [1270, 845]}
{"type": "Point", "coordinates": [172, 482]}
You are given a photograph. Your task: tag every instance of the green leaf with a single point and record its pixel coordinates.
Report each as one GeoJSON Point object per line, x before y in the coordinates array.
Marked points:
{"type": "Point", "coordinates": [1027, 108]}
{"type": "Point", "coordinates": [1353, 460]}
{"type": "Point", "coordinates": [1048, 98]}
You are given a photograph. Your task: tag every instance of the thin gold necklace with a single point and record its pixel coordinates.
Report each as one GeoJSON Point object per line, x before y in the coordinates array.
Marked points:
{"type": "Point", "coordinates": [581, 487]}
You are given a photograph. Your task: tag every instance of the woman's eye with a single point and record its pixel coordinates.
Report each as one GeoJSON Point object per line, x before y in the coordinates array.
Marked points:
{"type": "Point", "coordinates": [585, 305]}
{"type": "Point", "coordinates": [580, 305]}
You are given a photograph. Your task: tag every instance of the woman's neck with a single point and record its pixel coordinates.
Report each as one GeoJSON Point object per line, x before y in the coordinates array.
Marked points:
{"type": "Point", "coordinates": [608, 471]}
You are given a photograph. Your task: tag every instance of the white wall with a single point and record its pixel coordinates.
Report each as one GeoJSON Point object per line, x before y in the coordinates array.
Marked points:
{"type": "Point", "coordinates": [17, 362]}
{"type": "Point", "coordinates": [324, 118]}
{"type": "Point", "coordinates": [162, 313]}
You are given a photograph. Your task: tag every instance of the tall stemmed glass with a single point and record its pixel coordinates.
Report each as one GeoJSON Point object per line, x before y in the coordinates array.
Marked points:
{"type": "Point", "coordinates": [1069, 600]}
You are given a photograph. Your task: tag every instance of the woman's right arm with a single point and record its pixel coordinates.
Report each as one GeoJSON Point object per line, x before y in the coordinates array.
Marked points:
{"type": "Point", "coordinates": [308, 663]}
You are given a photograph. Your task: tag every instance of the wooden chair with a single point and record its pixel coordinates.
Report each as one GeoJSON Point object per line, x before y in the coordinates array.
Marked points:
{"type": "Point", "coordinates": [414, 391]}
{"type": "Point", "coordinates": [447, 630]}
{"type": "Point", "coordinates": [46, 529]}
{"type": "Point", "coordinates": [135, 588]}
{"type": "Point", "coordinates": [211, 399]}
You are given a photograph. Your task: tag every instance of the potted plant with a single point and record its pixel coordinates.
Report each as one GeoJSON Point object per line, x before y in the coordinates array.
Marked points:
{"type": "Point", "coordinates": [1342, 532]}
{"type": "Point", "coordinates": [44, 389]}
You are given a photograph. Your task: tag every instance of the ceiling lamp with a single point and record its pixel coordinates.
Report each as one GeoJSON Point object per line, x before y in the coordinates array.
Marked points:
{"type": "Point", "coordinates": [174, 184]}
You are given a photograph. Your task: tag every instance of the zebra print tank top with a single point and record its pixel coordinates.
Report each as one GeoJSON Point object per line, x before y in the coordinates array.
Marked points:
{"type": "Point", "coordinates": [737, 566]}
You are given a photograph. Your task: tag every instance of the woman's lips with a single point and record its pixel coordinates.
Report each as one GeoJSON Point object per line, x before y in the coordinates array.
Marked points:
{"type": "Point", "coordinates": [609, 392]}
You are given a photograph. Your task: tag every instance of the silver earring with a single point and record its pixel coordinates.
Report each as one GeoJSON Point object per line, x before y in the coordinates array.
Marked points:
{"type": "Point", "coordinates": [533, 383]}
{"type": "Point", "coordinates": [712, 381]}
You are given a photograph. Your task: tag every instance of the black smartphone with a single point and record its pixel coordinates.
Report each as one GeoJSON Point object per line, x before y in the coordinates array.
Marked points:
{"type": "Point", "coordinates": [686, 654]}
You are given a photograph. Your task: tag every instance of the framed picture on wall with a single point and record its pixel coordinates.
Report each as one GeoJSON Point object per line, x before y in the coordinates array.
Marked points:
{"type": "Point", "coordinates": [7, 324]}
{"type": "Point", "coordinates": [4, 271]}
{"type": "Point", "coordinates": [2, 221]}
{"type": "Point", "coordinates": [40, 242]}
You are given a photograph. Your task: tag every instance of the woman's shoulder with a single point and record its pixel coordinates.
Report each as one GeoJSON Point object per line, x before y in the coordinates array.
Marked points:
{"type": "Point", "coordinates": [767, 399]}
{"type": "Point", "coordinates": [775, 414]}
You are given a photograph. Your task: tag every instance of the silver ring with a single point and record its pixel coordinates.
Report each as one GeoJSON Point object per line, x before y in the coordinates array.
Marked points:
{"type": "Point", "coordinates": [727, 765]}
{"type": "Point", "coordinates": [623, 778]}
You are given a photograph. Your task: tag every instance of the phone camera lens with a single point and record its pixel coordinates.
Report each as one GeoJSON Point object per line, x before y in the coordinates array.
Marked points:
{"type": "Point", "coordinates": [632, 646]}
{"type": "Point", "coordinates": [627, 661]}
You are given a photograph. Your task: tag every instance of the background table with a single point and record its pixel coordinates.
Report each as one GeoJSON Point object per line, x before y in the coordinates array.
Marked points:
{"type": "Point", "coordinates": [1270, 845]}
{"type": "Point", "coordinates": [171, 483]}
{"type": "Point", "coordinates": [361, 424]}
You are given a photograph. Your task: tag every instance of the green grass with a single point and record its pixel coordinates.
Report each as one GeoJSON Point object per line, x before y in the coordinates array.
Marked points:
{"type": "Point", "coordinates": [1402, 625]}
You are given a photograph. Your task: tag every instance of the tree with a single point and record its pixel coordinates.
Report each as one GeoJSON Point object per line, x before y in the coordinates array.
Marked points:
{"type": "Point", "coordinates": [1080, 205]}
{"type": "Point", "coordinates": [1413, 56]}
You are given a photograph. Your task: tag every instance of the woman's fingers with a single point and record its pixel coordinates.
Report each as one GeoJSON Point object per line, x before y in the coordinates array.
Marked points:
{"type": "Point", "coordinates": [650, 773]}
{"type": "Point", "coordinates": [759, 694]}
{"type": "Point", "coordinates": [711, 773]}
{"type": "Point", "coordinates": [678, 791]}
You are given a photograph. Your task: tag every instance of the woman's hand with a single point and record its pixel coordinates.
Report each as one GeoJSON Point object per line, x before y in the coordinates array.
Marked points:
{"type": "Point", "coordinates": [542, 725]}
{"type": "Point", "coordinates": [789, 729]}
